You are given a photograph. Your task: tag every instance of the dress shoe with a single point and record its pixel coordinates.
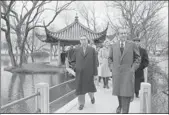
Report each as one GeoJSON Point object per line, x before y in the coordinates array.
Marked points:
{"type": "Point", "coordinates": [136, 93]}
{"type": "Point", "coordinates": [81, 107]}
{"type": "Point", "coordinates": [118, 110]}
{"type": "Point", "coordinates": [104, 86]}
{"type": "Point", "coordinates": [93, 100]}
{"type": "Point", "coordinates": [137, 96]}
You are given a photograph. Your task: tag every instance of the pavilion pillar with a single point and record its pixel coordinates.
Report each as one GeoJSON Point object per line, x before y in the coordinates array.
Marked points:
{"type": "Point", "coordinates": [59, 58]}
{"type": "Point", "coordinates": [63, 48]}
{"type": "Point", "coordinates": [50, 52]}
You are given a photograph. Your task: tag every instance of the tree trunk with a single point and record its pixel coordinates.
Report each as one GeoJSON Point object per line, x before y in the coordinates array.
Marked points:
{"type": "Point", "coordinates": [33, 41]}
{"type": "Point", "coordinates": [22, 54]}
{"type": "Point", "coordinates": [32, 59]}
{"type": "Point", "coordinates": [8, 39]}
{"type": "Point", "coordinates": [19, 38]}
{"type": "Point", "coordinates": [0, 40]}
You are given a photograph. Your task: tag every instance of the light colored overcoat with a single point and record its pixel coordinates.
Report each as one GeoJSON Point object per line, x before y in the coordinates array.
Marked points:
{"type": "Point", "coordinates": [123, 67]}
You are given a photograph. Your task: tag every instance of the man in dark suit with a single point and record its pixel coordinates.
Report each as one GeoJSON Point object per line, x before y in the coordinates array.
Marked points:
{"type": "Point", "coordinates": [124, 59]}
{"type": "Point", "coordinates": [139, 74]}
{"type": "Point", "coordinates": [86, 63]}
{"type": "Point", "coordinates": [63, 57]}
{"type": "Point", "coordinates": [70, 53]}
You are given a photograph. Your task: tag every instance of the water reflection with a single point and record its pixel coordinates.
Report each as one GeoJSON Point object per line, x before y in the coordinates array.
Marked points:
{"type": "Point", "coordinates": [17, 86]}
{"type": "Point", "coordinates": [11, 87]}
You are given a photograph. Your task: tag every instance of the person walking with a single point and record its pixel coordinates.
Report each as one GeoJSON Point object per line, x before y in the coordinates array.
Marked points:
{"type": "Point", "coordinates": [124, 59]}
{"type": "Point", "coordinates": [86, 63]}
{"type": "Point", "coordinates": [105, 72]}
{"type": "Point", "coordinates": [100, 61]}
{"type": "Point", "coordinates": [63, 56]}
{"type": "Point", "coordinates": [139, 74]}
{"type": "Point", "coordinates": [70, 53]}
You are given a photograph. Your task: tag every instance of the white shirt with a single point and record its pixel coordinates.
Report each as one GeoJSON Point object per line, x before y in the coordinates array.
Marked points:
{"type": "Point", "coordinates": [123, 44]}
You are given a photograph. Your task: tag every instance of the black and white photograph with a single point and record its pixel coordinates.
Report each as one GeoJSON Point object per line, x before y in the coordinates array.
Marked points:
{"type": "Point", "coordinates": [84, 57]}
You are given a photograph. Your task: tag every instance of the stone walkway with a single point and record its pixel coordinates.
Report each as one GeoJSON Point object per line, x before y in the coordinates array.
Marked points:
{"type": "Point", "coordinates": [105, 103]}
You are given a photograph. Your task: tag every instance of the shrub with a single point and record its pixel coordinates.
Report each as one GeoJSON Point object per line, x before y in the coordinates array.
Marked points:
{"type": "Point", "coordinates": [159, 99]}
{"type": "Point", "coordinates": [41, 54]}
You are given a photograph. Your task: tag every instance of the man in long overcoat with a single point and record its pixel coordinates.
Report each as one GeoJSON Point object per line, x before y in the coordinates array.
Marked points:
{"type": "Point", "coordinates": [70, 53]}
{"type": "Point", "coordinates": [139, 74]}
{"type": "Point", "coordinates": [124, 59]}
{"type": "Point", "coordinates": [86, 63]}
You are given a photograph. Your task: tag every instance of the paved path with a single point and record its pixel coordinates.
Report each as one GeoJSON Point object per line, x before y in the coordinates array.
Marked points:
{"type": "Point", "coordinates": [105, 103]}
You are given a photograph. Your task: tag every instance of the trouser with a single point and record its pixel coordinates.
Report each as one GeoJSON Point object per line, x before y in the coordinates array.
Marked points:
{"type": "Point", "coordinates": [105, 81]}
{"type": "Point", "coordinates": [124, 103]}
{"type": "Point", "coordinates": [81, 98]}
{"type": "Point", "coordinates": [137, 85]}
{"type": "Point", "coordinates": [99, 78]}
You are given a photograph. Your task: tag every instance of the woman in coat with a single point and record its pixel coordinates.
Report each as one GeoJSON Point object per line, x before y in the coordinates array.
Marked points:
{"type": "Point", "coordinates": [99, 59]}
{"type": "Point", "coordinates": [104, 67]}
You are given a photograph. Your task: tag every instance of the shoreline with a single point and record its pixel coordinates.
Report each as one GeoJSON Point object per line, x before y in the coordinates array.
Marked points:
{"type": "Point", "coordinates": [35, 68]}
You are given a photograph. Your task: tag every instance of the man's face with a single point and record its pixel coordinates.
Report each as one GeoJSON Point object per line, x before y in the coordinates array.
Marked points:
{"type": "Point", "coordinates": [137, 43]}
{"type": "Point", "coordinates": [106, 44]}
{"type": "Point", "coordinates": [83, 41]}
{"type": "Point", "coordinates": [123, 33]}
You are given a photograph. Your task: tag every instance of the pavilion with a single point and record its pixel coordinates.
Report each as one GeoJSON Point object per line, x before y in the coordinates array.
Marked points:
{"type": "Point", "coordinates": [70, 35]}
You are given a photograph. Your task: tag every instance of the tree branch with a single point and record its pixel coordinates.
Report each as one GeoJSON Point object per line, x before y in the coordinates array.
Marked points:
{"type": "Point", "coordinates": [40, 47]}
{"type": "Point", "coordinates": [3, 29]}
{"type": "Point", "coordinates": [61, 9]}
{"type": "Point", "coordinates": [37, 11]}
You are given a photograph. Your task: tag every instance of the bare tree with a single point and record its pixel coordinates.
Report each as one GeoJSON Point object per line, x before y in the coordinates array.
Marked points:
{"type": "Point", "coordinates": [5, 14]}
{"type": "Point", "coordinates": [25, 22]}
{"type": "Point", "coordinates": [84, 12]}
{"type": "Point", "coordinates": [89, 14]}
{"type": "Point", "coordinates": [66, 19]}
{"type": "Point", "coordinates": [142, 18]}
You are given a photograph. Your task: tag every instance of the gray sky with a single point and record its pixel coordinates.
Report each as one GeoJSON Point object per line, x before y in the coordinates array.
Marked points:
{"type": "Point", "coordinates": [100, 8]}
{"type": "Point", "coordinates": [100, 13]}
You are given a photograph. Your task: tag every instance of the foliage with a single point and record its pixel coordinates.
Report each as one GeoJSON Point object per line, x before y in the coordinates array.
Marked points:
{"type": "Point", "coordinates": [159, 99]}
{"type": "Point", "coordinates": [41, 54]}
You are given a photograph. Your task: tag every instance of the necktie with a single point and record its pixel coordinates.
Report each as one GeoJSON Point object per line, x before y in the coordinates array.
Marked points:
{"type": "Point", "coordinates": [84, 50]}
{"type": "Point", "coordinates": [122, 47]}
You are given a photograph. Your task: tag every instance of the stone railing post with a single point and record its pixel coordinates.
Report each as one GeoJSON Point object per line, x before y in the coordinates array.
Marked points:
{"type": "Point", "coordinates": [42, 101]}
{"type": "Point", "coordinates": [67, 62]}
{"type": "Point", "coordinates": [145, 74]}
{"type": "Point", "coordinates": [145, 100]}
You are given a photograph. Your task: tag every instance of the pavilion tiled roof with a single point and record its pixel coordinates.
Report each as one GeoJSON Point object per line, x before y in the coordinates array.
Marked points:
{"type": "Point", "coordinates": [71, 34]}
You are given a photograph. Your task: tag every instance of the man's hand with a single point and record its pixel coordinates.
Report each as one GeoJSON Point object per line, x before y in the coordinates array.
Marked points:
{"type": "Point", "coordinates": [95, 77]}
{"type": "Point", "coordinates": [132, 98]}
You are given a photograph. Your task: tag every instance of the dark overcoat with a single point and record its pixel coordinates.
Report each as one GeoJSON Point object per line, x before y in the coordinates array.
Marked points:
{"type": "Point", "coordinates": [139, 74]}
{"type": "Point", "coordinates": [86, 68]}
{"type": "Point", "coordinates": [70, 56]}
{"type": "Point", "coordinates": [123, 67]}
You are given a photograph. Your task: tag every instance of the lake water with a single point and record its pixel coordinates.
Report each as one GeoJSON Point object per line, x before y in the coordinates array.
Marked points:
{"type": "Point", "coordinates": [16, 86]}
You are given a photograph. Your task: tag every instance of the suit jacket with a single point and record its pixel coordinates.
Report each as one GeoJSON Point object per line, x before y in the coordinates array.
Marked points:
{"type": "Point", "coordinates": [139, 74]}
{"type": "Point", "coordinates": [85, 67]}
{"type": "Point", "coordinates": [123, 67]}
